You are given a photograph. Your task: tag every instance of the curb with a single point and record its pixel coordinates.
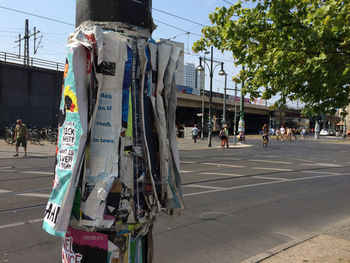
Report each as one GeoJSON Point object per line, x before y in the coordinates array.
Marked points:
{"type": "Point", "coordinates": [276, 250]}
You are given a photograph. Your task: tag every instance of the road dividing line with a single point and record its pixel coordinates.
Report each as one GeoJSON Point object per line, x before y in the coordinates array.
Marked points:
{"type": "Point", "coordinates": [6, 167]}
{"type": "Point", "coordinates": [225, 174]}
{"type": "Point", "coordinates": [260, 184]}
{"type": "Point", "coordinates": [323, 164]}
{"type": "Point", "coordinates": [12, 225]}
{"type": "Point", "coordinates": [36, 172]}
{"type": "Point", "coordinates": [32, 221]}
{"type": "Point", "coordinates": [186, 162]}
{"type": "Point", "coordinates": [271, 178]}
{"type": "Point", "coordinates": [272, 169]}
{"type": "Point", "coordinates": [4, 191]}
{"type": "Point", "coordinates": [319, 172]}
{"type": "Point", "coordinates": [183, 171]}
{"type": "Point", "coordinates": [269, 161]}
{"type": "Point", "coordinates": [224, 165]}
{"type": "Point", "coordinates": [35, 195]}
{"type": "Point", "coordinates": [203, 186]}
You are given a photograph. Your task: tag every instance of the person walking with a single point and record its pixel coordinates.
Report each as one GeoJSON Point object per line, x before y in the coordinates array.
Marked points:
{"type": "Point", "coordinates": [226, 136]}
{"type": "Point", "coordinates": [302, 134]}
{"type": "Point", "coordinates": [222, 137]}
{"type": "Point", "coordinates": [195, 133]}
{"type": "Point", "coordinates": [21, 136]}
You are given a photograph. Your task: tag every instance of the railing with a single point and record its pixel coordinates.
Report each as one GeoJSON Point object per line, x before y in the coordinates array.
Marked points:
{"type": "Point", "coordinates": [33, 62]}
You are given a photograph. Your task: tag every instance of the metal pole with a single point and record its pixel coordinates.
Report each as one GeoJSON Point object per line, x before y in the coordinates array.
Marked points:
{"type": "Point", "coordinates": [224, 106]}
{"type": "Point", "coordinates": [210, 97]}
{"type": "Point", "coordinates": [26, 43]}
{"type": "Point", "coordinates": [202, 133]}
{"type": "Point", "coordinates": [235, 118]}
{"type": "Point", "coordinates": [241, 125]}
{"type": "Point", "coordinates": [135, 13]}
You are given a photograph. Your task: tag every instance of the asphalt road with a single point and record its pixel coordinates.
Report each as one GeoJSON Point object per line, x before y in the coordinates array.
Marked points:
{"type": "Point", "coordinates": [239, 202]}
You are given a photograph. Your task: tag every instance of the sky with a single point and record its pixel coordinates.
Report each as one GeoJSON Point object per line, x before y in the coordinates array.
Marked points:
{"type": "Point", "coordinates": [55, 34]}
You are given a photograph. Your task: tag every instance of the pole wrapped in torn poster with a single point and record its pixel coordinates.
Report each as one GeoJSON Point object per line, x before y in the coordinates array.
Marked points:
{"type": "Point", "coordinates": [117, 158]}
{"type": "Point", "coordinates": [72, 133]}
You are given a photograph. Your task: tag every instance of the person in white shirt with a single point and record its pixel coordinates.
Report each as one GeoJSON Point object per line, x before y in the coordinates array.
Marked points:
{"type": "Point", "coordinates": [195, 133]}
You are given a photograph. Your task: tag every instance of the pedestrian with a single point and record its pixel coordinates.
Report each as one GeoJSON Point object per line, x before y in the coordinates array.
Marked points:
{"type": "Point", "coordinates": [222, 137]}
{"type": "Point", "coordinates": [294, 131]}
{"type": "Point", "coordinates": [283, 131]}
{"type": "Point", "coordinates": [195, 133]}
{"type": "Point", "coordinates": [302, 133]}
{"type": "Point", "coordinates": [226, 136]}
{"type": "Point", "coordinates": [21, 136]}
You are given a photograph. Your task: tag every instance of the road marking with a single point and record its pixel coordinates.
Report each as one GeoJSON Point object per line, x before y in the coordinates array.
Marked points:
{"type": "Point", "coordinates": [36, 172]}
{"type": "Point", "coordinates": [35, 195]}
{"type": "Point", "coordinates": [28, 194]}
{"type": "Point", "coordinates": [231, 175]}
{"type": "Point", "coordinates": [224, 165]}
{"type": "Point", "coordinates": [323, 164]}
{"type": "Point", "coordinates": [6, 167]}
{"type": "Point", "coordinates": [12, 225]}
{"type": "Point", "coordinates": [272, 169]}
{"type": "Point", "coordinates": [319, 172]}
{"type": "Point", "coordinates": [186, 162]}
{"type": "Point", "coordinates": [32, 221]}
{"type": "Point", "coordinates": [203, 186]}
{"type": "Point", "coordinates": [268, 161]}
{"type": "Point", "coordinates": [271, 178]}
{"type": "Point", "coordinates": [260, 184]}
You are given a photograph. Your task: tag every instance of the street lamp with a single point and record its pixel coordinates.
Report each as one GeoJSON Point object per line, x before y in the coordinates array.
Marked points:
{"type": "Point", "coordinates": [211, 70]}
{"type": "Point", "coordinates": [222, 73]}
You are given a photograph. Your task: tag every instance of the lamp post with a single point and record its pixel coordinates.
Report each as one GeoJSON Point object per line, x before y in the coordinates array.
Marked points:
{"type": "Point", "coordinates": [241, 125]}
{"type": "Point", "coordinates": [202, 90]}
{"type": "Point", "coordinates": [235, 118]}
{"type": "Point", "coordinates": [224, 106]}
{"type": "Point", "coordinates": [211, 70]}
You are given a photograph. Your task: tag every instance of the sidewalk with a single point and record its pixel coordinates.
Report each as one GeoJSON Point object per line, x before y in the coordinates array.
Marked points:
{"type": "Point", "coordinates": [186, 144]}
{"type": "Point", "coordinates": [331, 245]}
{"type": "Point", "coordinates": [33, 150]}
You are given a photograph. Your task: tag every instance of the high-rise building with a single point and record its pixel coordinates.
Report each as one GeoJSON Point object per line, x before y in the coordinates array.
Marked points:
{"type": "Point", "coordinates": [190, 78]}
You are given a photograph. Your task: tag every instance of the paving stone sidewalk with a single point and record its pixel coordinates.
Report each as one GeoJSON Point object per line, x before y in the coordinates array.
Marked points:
{"type": "Point", "coordinates": [332, 245]}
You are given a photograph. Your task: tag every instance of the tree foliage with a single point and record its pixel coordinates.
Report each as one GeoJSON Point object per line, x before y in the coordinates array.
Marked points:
{"type": "Point", "coordinates": [295, 49]}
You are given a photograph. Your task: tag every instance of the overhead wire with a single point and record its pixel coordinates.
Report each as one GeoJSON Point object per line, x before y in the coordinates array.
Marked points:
{"type": "Point", "coordinates": [186, 32]}
{"type": "Point", "coordinates": [179, 17]}
{"type": "Point", "coordinates": [43, 17]}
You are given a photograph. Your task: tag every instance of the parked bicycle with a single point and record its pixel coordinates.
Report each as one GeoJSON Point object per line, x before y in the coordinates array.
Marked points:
{"type": "Point", "coordinates": [10, 134]}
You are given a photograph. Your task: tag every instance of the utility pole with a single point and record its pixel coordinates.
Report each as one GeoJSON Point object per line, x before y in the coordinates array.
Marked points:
{"type": "Point", "coordinates": [19, 41]}
{"type": "Point", "coordinates": [119, 211]}
{"type": "Point", "coordinates": [26, 39]}
{"type": "Point", "coordinates": [26, 43]}
{"type": "Point", "coordinates": [36, 47]}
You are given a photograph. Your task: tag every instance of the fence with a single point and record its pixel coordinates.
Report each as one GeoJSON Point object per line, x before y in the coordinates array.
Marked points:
{"type": "Point", "coordinates": [33, 62]}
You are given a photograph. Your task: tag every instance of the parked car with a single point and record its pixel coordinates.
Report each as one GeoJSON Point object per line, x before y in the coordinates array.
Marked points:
{"type": "Point", "coordinates": [331, 132]}
{"type": "Point", "coordinates": [324, 132]}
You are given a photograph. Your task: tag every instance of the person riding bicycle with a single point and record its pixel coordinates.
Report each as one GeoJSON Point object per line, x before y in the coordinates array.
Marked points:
{"type": "Point", "coordinates": [265, 132]}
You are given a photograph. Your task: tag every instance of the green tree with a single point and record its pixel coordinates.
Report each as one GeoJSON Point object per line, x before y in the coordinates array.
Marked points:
{"type": "Point", "coordinates": [295, 49]}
